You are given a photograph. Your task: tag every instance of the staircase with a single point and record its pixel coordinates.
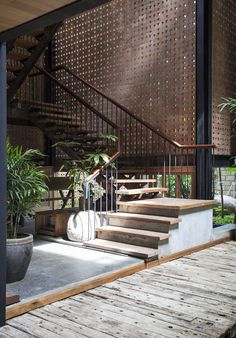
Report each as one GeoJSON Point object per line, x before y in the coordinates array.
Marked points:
{"type": "Point", "coordinates": [145, 150]}
{"type": "Point", "coordinates": [134, 233]}
{"type": "Point", "coordinates": [73, 127]}
{"type": "Point", "coordinates": [74, 115]}
{"type": "Point", "coordinates": [156, 228]}
{"type": "Point", "coordinates": [23, 53]}
{"type": "Point", "coordinates": [62, 127]}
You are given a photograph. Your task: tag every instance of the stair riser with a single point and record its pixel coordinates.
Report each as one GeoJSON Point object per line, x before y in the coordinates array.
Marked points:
{"type": "Point", "coordinates": [148, 211]}
{"type": "Point", "coordinates": [136, 224]}
{"type": "Point", "coordinates": [129, 239]}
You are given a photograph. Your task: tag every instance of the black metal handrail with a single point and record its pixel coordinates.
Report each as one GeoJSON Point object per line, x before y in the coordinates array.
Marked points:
{"type": "Point", "coordinates": [59, 103]}
{"type": "Point", "coordinates": [143, 143]}
{"type": "Point", "coordinates": [48, 97]}
{"type": "Point", "coordinates": [68, 90]}
{"type": "Point", "coordinates": [135, 117]}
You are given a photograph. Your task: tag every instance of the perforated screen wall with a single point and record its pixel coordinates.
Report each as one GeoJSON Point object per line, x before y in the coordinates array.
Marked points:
{"type": "Point", "coordinates": [26, 136]}
{"type": "Point", "coordinates": [142, 53]}
{"type": "Point", "coordinates": [224, 72]}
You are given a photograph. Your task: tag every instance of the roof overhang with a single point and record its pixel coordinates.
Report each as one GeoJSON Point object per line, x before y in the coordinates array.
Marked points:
{"type": "Point", "coordinates": [17, 17]}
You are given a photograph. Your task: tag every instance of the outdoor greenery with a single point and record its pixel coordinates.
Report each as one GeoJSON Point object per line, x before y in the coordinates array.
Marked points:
{"type": "Point", "coordinates": [26, 185]}
{"type": "Point", "coordinates": [185, 183]}
{"type": "Point", "coordinates": [227, 218]}
{"type": "Point", "coordinates": [230, 104]}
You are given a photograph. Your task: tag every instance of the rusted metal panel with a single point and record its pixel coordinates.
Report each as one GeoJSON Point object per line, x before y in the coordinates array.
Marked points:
{"type": "Point", "coordinates": [223, 72]}
{"type": "Point", "coordinates": [142, 53]}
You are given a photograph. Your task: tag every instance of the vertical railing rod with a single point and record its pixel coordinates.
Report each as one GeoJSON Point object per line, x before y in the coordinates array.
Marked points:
{"type": "Point", "coordinates": [164, 166]}
{"type": "Point", "coordinates": [169, 173]}
{"type": "Point", "coordinates": [188, 192]}
{"type": "Point", "coordinates": [106, 193]}
{"type": "Point", "coordinates": [212, 153]}
{"type": "Point", "coordinates": [101, 195]}
{"type": "Point", "coordinates": [116, 184]}
{"type": "Point", "coordinates": [88, 208]}
{"type": "Point", "coordinates": [111, 188]}
{"type": "Point", "coordinates": [94, 208]}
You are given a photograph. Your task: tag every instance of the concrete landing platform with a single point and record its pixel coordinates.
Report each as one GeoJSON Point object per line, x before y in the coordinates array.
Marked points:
{"type": "Point", "coordinates": [55, 265]}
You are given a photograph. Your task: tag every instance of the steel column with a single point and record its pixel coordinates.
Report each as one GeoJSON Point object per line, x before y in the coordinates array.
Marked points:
{"type": "Point", "coordinates": [204, 96]}
{"type": "Point", "coordinates": [3, 181]}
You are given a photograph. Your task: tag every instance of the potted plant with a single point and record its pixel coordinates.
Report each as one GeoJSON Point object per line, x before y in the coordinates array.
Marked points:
{"type": "Point", "coordinates": [26, 185]}
{"type": "Point", "coordinates": [81, 224]}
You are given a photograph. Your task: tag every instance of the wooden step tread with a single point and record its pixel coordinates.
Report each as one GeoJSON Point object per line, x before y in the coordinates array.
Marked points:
{"type": "Point", "coordinates": [169, 203]}
{"type": "Point", "coordinates": [80, 138]}
{"type": "Point", "coordinates": [42, 104]}
{"type": "Point", "coordinates": [49, 111]}
{"type": "Point", "coordinates": [74, 130]}
{"type": "Point", "coordinates": [137, 232]}
{"type": "Point", "coordinates": [146, 218]}
{"type": "Point", "coordinates": [181, 170]}
{"type": "Point", "coordinates": [128, 249]}
{"type": "Point", "coordinates": [18, 53]}
{"type": "Point", "coordinates": [49, 118]}
{"type": "Point", "coordinates": [129, 181]}
{"type": "Point", "coordinates": [140, 191]}
{"type": "Point", "coordinates": [58, 130]}
{"type": "Point", "coordinates": [57, 124]}
{"type": "Point", "coordinates": [14, 65]}
{"type": "Point", "coordinates": [26, 41]}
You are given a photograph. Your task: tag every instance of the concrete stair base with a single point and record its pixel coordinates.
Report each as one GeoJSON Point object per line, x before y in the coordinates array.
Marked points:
{"type": "Point", "coordinates": [155, 228]}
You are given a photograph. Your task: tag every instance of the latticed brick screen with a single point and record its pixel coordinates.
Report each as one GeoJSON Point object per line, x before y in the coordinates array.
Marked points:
{"type": "Point", "coordinates": [26, 136]}
{"type": "Point", "coordinates": [224, 71]}
{"type": "Point", "coordinates": [142, 53]}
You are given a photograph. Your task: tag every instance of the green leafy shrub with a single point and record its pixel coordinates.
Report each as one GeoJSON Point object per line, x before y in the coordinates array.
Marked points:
{"type": "Point", "coordinates": [228, 217]}
{"type": "Point", "coordinates": [26, 185]}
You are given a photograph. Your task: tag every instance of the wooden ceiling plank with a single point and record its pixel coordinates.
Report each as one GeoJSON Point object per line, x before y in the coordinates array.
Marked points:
{"type": "Point", "coordinates": [16, 12]}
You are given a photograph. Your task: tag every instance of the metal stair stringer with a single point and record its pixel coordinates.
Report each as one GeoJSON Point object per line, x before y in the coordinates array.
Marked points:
{"type": "Point", "coordinates": [49, 32]}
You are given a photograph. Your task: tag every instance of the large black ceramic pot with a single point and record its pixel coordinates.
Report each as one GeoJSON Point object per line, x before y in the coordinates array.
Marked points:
{"type": "Point", "coordinates": [19, 253]}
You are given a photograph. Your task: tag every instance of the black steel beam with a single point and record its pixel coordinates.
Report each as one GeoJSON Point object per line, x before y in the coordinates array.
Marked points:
{"type": "Point", "coordinates": [204, 96]}
{"type": "Point", "coordinates": [53, 17]}
{"type": "Point", "coordinates": [3, 184]}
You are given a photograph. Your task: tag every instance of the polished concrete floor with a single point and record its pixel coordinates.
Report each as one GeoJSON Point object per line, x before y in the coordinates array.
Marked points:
{"type": "Point", "coordinates": [55, 265]}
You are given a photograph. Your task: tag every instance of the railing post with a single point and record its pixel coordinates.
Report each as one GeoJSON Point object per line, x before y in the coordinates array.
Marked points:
{"type": "Point", "coordinates": [3, 181]}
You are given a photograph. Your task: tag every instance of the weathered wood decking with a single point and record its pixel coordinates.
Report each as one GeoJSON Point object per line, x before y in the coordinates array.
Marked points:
{"type": "Point", "coordinates": [194, 296]}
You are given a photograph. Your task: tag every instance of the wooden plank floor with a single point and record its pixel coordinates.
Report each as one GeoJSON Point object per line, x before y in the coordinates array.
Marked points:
{"type": "Point", "coordinates": [194, 296]}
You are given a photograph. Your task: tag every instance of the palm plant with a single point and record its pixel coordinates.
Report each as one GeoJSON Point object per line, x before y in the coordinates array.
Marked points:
{"type": "Point", "coordinates": [230, 104]}
{"type": "Point", "coordinates": [26, 185]}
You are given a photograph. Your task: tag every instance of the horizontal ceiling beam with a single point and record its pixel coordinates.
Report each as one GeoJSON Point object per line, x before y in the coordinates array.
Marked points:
{"type": "Point", "coordinates": [53, 17]}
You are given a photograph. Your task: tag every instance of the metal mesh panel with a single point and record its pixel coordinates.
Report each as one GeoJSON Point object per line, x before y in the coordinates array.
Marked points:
{"type": "Point", "coordinates": [142, 53]}
{"type": "Point", "coordinates": [224, 71]}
